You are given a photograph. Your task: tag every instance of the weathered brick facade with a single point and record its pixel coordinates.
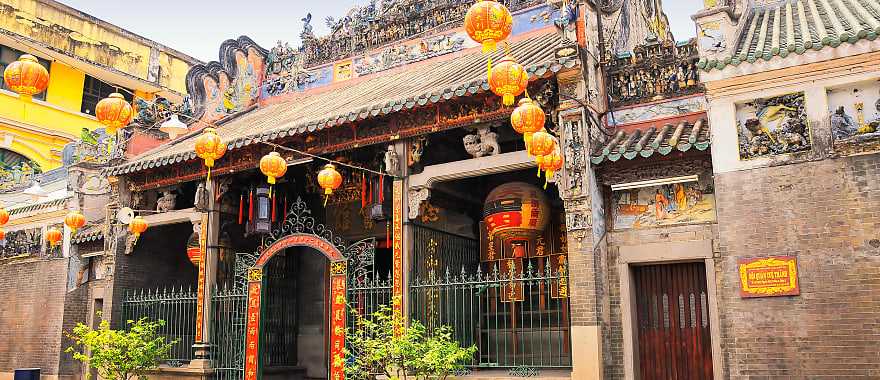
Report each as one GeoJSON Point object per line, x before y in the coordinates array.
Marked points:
{"type": "Point", "coordinates": [825, 214]}
{"type": "Point", "coordinates": [33, 316]}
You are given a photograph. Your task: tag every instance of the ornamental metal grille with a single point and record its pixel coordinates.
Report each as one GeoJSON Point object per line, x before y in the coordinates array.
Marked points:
{"type": "Point", "coordinates": [526, 330]}
{"type": "Point", "coordinates": [175, 306]}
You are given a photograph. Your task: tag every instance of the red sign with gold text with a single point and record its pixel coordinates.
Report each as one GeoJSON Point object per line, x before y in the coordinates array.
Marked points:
{"type": "Point", "coordinates": [769, 277]}
{"type": "Point", "coordinates": [397, 231]}
{"type": "Point", "coordinates": [252, 331]}
{"type": "Point", "coordinates": [337, 327]}
{"type": "Point", "coordinates": [200, 293]}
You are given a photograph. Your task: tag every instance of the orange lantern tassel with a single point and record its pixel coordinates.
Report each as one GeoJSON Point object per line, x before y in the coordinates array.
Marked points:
{"type": "Point", "coordinates": [388, 234]}
{"type": "Point", "coordinates": [370, 185]}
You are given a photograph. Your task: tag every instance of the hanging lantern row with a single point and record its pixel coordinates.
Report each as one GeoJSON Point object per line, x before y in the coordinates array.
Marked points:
{"type": "Point", "coordinates": [26, 76]}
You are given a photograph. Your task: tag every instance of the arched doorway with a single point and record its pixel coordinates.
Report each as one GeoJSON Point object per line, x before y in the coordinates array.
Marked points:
{"type": "Point", "coordinates": [298, 236]}
{"type": "Point", "coordinates": [257, 302]}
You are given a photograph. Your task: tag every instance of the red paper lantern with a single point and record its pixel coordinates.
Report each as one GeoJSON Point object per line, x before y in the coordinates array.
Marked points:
{"type": "Point", "coordinates": [527, 118]}
{"type": "Point", "coordinates": [488, 22]}
{"type": "Point", "coordinates": [551, 164]}
{"type": "Point", "coordinates": [541, 144]}
{"type": "Point", "coordinates": [194, 249]}
{"type": "Point", "coordinates": [26, 76]}
{"type": "Point", "coordinates": [2, 234]}
{"type": "Point", "coordinates": [210, 148]}
{"type": "Point", "coordinates": [273, 166]}
{"type": "Point", "coordinates": [75, 220]}
{"type": "Point", "coordinates": [329, 179]}
{"type": "Point", "coordinates": [114, 112]}
{"type": "Point", "coordinates": [137, 226]}
{"type": "Point", "coordinates": [516, 209]}
{"type": "Point", "coordinates": [508, 79]}
{"type": "Point", "coordinates": [54, 236]}
{"type": "Point", "coordinates": [4, 216]}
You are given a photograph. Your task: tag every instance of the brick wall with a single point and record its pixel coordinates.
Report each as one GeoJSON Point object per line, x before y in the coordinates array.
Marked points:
{"type": "Point", "coordinates": [31, 314]}
{"type": "Point", "coordinates": [825, 213]}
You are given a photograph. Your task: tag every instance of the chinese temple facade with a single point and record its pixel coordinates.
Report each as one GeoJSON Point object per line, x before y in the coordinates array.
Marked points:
{"type": "Point", "coordinates": [712, 219]}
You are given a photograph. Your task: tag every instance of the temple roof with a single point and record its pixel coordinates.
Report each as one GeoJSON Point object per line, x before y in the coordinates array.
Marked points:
{"type": "Point", "coordinates": [664, 140]}
{"type": "Point", "coordinates": [378, 94]}
{"type": "Point", "coordinates": [88, 234]}
{"type": "Point", "coordinates": [796, 26]}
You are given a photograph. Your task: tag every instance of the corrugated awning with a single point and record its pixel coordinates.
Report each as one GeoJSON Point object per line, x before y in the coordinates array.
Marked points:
{"type": "Point", "coordinates": [797, 26]}
{"type": "Point", "coordinates": [681, 137]}
{"type": "Point", "coordinates": [380, 94]}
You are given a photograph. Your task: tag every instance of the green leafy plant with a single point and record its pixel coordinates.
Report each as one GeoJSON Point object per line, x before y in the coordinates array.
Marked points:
{"type": "Point", "coordinates": [374, 349]}
{"type": "Point", "coordinates": [120, 354]}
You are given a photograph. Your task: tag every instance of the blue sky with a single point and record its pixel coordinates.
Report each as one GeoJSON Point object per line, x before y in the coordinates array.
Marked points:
{"type": "Point", "coordinates": [197, 27]}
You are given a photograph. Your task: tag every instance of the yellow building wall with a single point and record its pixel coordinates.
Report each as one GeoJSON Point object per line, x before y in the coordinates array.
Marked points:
{"type": "Point", "coordinates": [40, 129]}
{"type": "Point", "coordinates": [65, 87]}
{"type": "Point", "coordinates": [81, 36]}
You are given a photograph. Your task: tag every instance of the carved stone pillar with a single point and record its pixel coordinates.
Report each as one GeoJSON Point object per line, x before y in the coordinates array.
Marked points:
{"type": "Point", "coordinates": [582, 202]}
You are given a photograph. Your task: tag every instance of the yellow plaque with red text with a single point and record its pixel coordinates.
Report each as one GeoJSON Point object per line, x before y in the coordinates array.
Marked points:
{"type": "Point", "coordinates": [769, 277]}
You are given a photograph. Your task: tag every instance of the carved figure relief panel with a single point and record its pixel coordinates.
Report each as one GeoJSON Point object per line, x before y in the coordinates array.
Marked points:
{"type": "Point", "coordinates": [773, 126]}
{"type": "Point", "coordinates": [228, 86]}
{"type": "Point", "coordinates": [854, 112]}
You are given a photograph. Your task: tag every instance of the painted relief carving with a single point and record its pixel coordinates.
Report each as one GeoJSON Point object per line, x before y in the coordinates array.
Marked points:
{"type": "Point", "coordinates": [416, 197]}
{"type": "Point", "coordinates": [150, 112]}
{"type": "Point", "coordinates": [399, 55]}
{"type": "Point", "coordinates": [663, 205]}
{"type": "Point", "coordinates": [710, 38]}
{"type": "Point", "coordinates": [166, 202]}
{"type": "Point", "coordinates": [285, 71]}
{"type": "Point", "coordinates": [573, 149]}
{"type": "Point", "coordinates": [481, 143]}
{"type": "Point", "coordinates": [855, 112]}
{"type": "Point", "coordinates": [772, 126]}
{"type": "Point", "coordinates": [672, 108]}
{"type": "Point", "coordinates": [653, 72]}
{"type": "Point", "coordinates": [228, 86]}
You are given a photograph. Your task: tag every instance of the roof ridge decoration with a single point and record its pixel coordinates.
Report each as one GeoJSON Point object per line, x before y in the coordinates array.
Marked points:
{"type": "Point", "coordinates": [230, 85]}
{"type": "Point", "coordinates": [791, 26]}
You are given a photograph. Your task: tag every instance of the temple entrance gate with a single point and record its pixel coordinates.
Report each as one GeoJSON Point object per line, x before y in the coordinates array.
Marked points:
{"type": "Point", "coordinates": [240, 310]}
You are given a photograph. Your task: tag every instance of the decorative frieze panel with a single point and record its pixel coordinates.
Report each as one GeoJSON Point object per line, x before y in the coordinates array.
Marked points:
{"type": "Point", "coordinates": [773, 126]}
{"type": "Point", "coordinates": [653, 72]}
{"type": "Point", "coordinates": [855, 116]}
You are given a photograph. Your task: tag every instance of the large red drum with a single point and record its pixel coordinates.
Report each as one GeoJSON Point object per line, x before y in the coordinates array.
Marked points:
{"type": "Point", "coordinates": [516, 209]}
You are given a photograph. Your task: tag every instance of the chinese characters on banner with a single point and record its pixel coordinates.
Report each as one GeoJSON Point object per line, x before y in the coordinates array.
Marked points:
{"type": "Point", "coordinates": [252, 332]}
{"type": "Point", "coordinates": [200, 295]}
{"type": "Point", "coordinates": [337, 324]}
{"type": "Point", "coordinates": [397, 231]}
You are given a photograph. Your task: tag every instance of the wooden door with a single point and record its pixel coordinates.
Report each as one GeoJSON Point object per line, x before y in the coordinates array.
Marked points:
{"type": "Point", "coordinates": [673, 321]}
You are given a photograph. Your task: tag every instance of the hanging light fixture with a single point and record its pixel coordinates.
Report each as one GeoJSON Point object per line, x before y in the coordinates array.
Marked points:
{"type": "Point", "coordinates": [329, 179]}
{"type": "Point", "coordinates": [137, 226]}
{"type": "Point", "coordinates": [74, 220]}
{"type": "Point", "coordinates": [508, 79]}
{"type": "Point", "coordinates": [26, 76]}
{"type": "Point", "coordinates": [2, 235]}
{"type": "Point", "coordinates": [210, 148]}
{"type": "Point", "coordinates": [488, 22]}
{"type": "Point", "coordinates": [114, 112]}
{"type": "Point", "coordinates": [54, 236]}
{"type": "Point", "coordinates": [174, 127]}
{"type": "Point", "coordinates": [527, 118]}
